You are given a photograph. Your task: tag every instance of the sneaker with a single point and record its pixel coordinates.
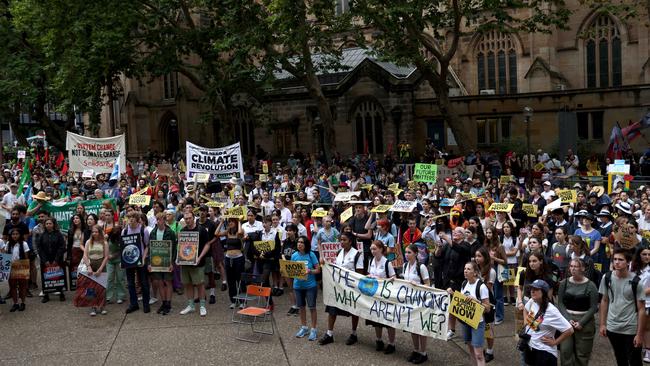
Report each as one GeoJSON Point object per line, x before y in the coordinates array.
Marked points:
{"type": "Point", "coordinates": [2, 300]}
{"type": "Point", "coordinates": [152, 301]}
{"type": "Point", "coordinates": [120, 301]}
{"type": "Point", "coordinates": [420, 359]}
{"type": "Point", "coordinates": [313, 333]}
{"type": "Point", "coordinates": [293, 311]}
{"type": "Point", "coordinates": [646, 356]}
{"type": "Point", "coordinates": [131, 309]}
{"type": "Point", "coordinates": [146, 309]}
{"type": "Point", "coordinates": [498, 321]}
{"type": "Point", "coordinates": [93, 312]}
{"type": "Point", "coordinates": [450, 334]}
{"type": "Point", "coordinates": [232, 305]}
{"type": "Point", "coordinates": [213, 299]}
{"type": "Point", "coordinates": [412, 356]}
{"type": "Point", "coordinates": [390, 349]}
{"type": "Point", "coordinates": [327, 339]}
{"type": "Point", "coordinates": [242, 305]}
{"type": "Point", "coordinates": [203, 311]}
{"type": "Point", "coordinates": [188, 309]}
{"type": "Point", "coordinates": [302, 332]}
{"type": "Point", "coordinates": [379, 346]}
{"type": "Point", "coordinates": [352, 339]}
{"type": "Point", "coordinates": [140, 298]}
{"type": "Point", "coordinates": [166, 310]}
{"type": "Point", "coordinates": [21, 307]}
{"type": "Point", "coordinates": [104, 312]}
{"type": "Point", "coordinates": [489, 357]}
{"type": "Point", "coordinates": [506, 302]}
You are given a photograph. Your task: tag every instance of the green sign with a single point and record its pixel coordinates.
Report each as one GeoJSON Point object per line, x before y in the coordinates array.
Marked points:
{"type": "Point", "coordinates": [63, 211]}
{"type": "Point", "coordinates": [160, 252]}
{"type": "Point", "coordinates": [425, 173]}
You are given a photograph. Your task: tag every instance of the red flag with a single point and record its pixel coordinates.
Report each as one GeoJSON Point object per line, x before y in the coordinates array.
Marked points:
{"type": "Point", "coordinates": [38, 156]}
{"type": "Point", "coordinates": [59, 160]}
{"type": "Point", "coordinates": [46, 158]}
{"type": "Point", "coordinates": [632, 131]}
{"type": "Point", "coordinates": [614, 150]}
{"type": "Point", "coordinates": [64, 171]}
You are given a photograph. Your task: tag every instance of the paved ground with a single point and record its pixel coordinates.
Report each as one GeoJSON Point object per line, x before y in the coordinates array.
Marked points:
{"type": "Point", "coordinates": [57, 333]}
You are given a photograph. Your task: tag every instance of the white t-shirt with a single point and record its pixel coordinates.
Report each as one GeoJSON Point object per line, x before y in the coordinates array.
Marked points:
{"type": "Point", "coordinates": [411, 274]}
{"type": "Point", "coordinates": [15, 251]}
{"type": "Point", "coordinates": [346, 260]}
{"type": "Point", "coordinates": [508, 245]}
{"type": "Point", "coordinates": [251, 228]}
{"type": "Point", "coordinates": [470, 290]}
{"type": "Point", "coordinates": [10, 200]}
{"type": "Point", "coordinates": [545, 326]}
{"type": "Point", "coordinates": [378, 270]}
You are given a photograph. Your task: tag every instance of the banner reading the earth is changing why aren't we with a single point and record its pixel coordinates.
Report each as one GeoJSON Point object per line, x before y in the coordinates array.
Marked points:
{"type": "Point", "coordinates": [98, 154]}
{"type": "Point", "coordinates": [399, 304]}
{"type": "Point", "coordinates": [221, 163]}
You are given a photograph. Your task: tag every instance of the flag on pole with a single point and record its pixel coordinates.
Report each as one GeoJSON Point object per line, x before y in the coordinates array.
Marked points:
{"type": "Point", "coordinates": [59, 160]}
{"type": "Point", "coordinates": [115, 175]}
{"type": "Point", "coordinates": [64, 170]}
{"type": "Point", "coordinates": [46, 158]}
{"type": "Point", "coordinates": [25, 178]}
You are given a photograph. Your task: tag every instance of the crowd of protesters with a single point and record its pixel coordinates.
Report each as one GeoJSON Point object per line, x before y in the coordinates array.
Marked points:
{"type": "Point", "coordinates": [579, 279]}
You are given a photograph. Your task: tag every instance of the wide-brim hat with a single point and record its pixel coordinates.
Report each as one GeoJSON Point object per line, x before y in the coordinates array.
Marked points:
{"type": "Point", "coordinates": [41, 196]}
{"type": "Point", "coordinates": [625, 207]}
{"type": "Point", "coordinates": [605, 212]}
{"type": "Point", "coordinates": [234, 181]}
{"type": "Point", "coordinates": [598, 190]}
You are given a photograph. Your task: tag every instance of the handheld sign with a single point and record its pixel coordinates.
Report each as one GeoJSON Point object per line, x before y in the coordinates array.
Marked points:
{"type": "Point", "coordinates": [201, 177]}
{"type": "Point", "coordinates": [160, 254]}
{"type": "Point", "coordinates": [501, 207]}
{"type": "Point", "coordinates": [293, 269]}
{"type": "Point", "coordinates": [345, 215]}
{"type": "Point", "coordinates": [188, 248]}
{"type": "Point", "coordinates": [328, 251]}
{"type": "Point", "coordinates": [236, 212]}
{"type": "Point", "coordinates": [88, 173]}
{"type": "Point", "coordinates": [626, 237]}
{"type": "Point", "coordinates": [132, 251]}
{"type": "Point", "coordinates": [319, 213]}
{"type": "Point", "coordinates": [20, 269]}
{"type": "Point", "coordinates": [393, 186]}
{"type": "Point", "coordinates": [381, 208]}
{"type": "Point", "coordinates": [367, 187]}
{"type": "Point", "coordinates": [52, 278]}
{"type": "Point", "coordinates": [568, 196]}
{"type": "Point", "coordinates": [215, 204]}
{"type": "Point", "coordinates": [5, 266]}
{"type": "Point", "coordinates": [411, 184]}
{"type": "Point", "coordinates": [539, 167]}
{"type": "Point", "coordinates": [505, 179]}
{"type": "Point", "coordinates": [404, 206]}
{"type": "Point", "coordinates": [425, 173]}
{"type": "Point", "coordinates": [164, 169]}
{"type": "Point", "coordinates": [466, 309]}
{"type": "Point", "coordinates": [529, 209]}
{"type": "Point", "coordinates": [346, 196]}
{"type": "Point", "coordinates": [21, 154]}
{"type": "Point", "coordinates": [139, 200]}
{"type": "Point", "coordinates": [264, 245]}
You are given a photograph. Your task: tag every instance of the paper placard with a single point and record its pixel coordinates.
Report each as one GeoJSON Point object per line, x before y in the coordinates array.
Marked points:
{"type": "Point", "coordinates": [188, 248]}
{"type": "Point", "coordinates": [201, 177]}
{"type": "Point", "coordinates": [293, 269]}
{"type": "Point", "coordinates": [215, 204]}
{"type": "Point", "coordinates": [20, 269]}
{"type": "Point", "coordinates": [131, 251]}
{"type": "Point", "coordinates": [568, 196]}
{"type": "Point", "coordinates": [538, 167]}
{"type": "Point", "coordinates": [454, 162]}
{"type": "Point", "coordinates": [319, 213]}
{"type": "Point", "coordinates": [466, 309]}
{"type": "Point", "coordinates": [404, 206]}
{"type": "Point", "coordinates": [21, 154]}
{"type": "Point", "coordinates": [139, 200]}
{"type": "Point", "coordinates": [346, 196]}
{"type": "Point", "coordinates": [160, 254]}
{"type": "Point", "coordinates": [367, 187]}
{"type": "Point", "coordinates": [53, 278]}
{"type": "Point", "coordinates": [505, 179]}
{"type": "Point", "coordinates": [529, 209]}
{"type": "Point", "coordinates": [165, 170]}
{"type": "Point", "coordinates": [236, 212]}
{"type": "Point", "coordinates": [626, 238]}
{"type": "Point", "coordinates": [345, 215]}
{"type": "Point", "coordinates": [88, 173]}
{"type": "Point", "coordinates": [328, 251]}
{"type": "Point", "coordinates": [501, 207]}
{"type": "Point", "coordinates": [393, 186]}
{"type": "Point", "coordinates": [5, 266]}
{"type": "Point", "coordinates": [264, 246]}
{"type": "Point", "coordinates": [425, 173]}
{"type": "Point", "coordinates": [512, 274]}
{"type": "Point", "coordinates": [381, 208]}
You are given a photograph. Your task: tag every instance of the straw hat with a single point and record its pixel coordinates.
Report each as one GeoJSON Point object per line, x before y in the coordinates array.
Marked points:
{"type": "Point", "coordinates": [41, 196]}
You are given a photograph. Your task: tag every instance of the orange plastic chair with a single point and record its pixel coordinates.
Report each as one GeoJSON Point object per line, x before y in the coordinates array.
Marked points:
{"type": "Point", "coordinates": [256, 314]}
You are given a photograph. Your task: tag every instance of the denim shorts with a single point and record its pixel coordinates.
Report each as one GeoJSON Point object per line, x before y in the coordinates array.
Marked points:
{"type": "Point", "coordinates": [308, 295]}
{"type": "Point", "coordinates": [475, 337]}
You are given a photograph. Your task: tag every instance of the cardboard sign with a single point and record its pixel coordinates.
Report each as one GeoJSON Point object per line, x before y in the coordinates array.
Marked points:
{"type": "Point", "coordinates": [88, 173]}
{"type": "Point", "coordinates": [467, 310]}
{"type": "Point", "coordinates": [455, 162]}
{"type": "Point", "coordinates": [160, 254]}
{"type": "Point", "coordinates": [529, 209]}
{"type": "Point", "coordinates": [139, 200]}
{"type": "Point", "coordinates": [568, 196]}
{"type": "Point", "coordinates": [393, 186]}
{"type": "Point", "coordinates": [53, 278]}
{"type": "Point", "coordinates": [20, 269]}
{"type": "Point", "coordinates": [165, 170]}
{"type": "Point", "coordinates": [346, 196]}
{"type": "Point", "coordinates": [319, 213]}
{"type": "Point", "coordinates": [538, 167]}
{"type": "Point", "coordinates": [201, 177]}
{"type": "Point", "coordinates": [21, 154]}
{"type": "Point", "coordinates": [367, 187]}
{"type": "Point", "coordinates": [264, 246]}
{"type": "Point", "coordinates": [512, 274]}
{"type": "Point", "coordinates": [132, 251]}
{"type": "Point", "coordinates": [215, 204]}
{"type": "Point", "coordinates": [381, 208]}
{"type": "Point", "coordinates": [293, 269]}
{"type": "Point", "coordinates": [501, 207]}
{"type": "Point", "coordinates": [404, 206]}
{"type": "Point", "coordinates": [188, 248]}
{"type": "Point", "coordinates": [626, 238]}
{"type": "Point", "coordinates": [5, 266]}
{"type": "Point", "coordinates": [236, 212]}
{"type": "Point", "coordinates": [345, 215]}
{"type": "Point", "coordinates": [505, 179]}
{"type": "Point", "coordinates": [425, 173]}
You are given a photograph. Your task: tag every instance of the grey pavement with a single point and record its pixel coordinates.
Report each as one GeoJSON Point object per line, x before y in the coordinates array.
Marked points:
{"type": "Point", "coordinates": [57, 333]}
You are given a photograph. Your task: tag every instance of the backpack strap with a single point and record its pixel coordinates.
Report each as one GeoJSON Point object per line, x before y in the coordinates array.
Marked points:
{"type": "Point", "coordinates": [635, 285]}
{"type": "Point", "coordinates": [417, 269]}
{"type": "Point", "coordinates": [386, 268]}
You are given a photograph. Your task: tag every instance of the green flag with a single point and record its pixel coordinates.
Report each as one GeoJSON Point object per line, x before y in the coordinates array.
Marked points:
{"type": "Point", "coordinates": [25, 178]}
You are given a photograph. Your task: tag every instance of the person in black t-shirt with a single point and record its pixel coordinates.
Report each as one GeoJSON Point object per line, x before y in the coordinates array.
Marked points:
{"type": "Point", "coordinates": [358, 225]}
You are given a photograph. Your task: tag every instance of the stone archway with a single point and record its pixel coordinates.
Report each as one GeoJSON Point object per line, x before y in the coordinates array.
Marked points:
{"type": "Point", "coordinates": [169, 135]}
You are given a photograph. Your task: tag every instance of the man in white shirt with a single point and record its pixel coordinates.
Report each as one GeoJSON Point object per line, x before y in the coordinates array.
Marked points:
{"type": "Point", "coordinates": [285, 213]}
{"type": "Point", "coordinates": [10, 199]}
{"type": "Point", "coordinates": [547, 193]}
{"type": "Point", "coordinates": [251, 225]}
{"type": "Point", "coordinates": [644, 221]}
{"type": "Point", "coordinates": [267, 204]}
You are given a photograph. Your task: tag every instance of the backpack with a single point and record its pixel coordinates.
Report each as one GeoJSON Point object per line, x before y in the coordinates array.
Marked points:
{"type": "Point", "coordinates": [634, 282]}
{"type": "Point", "coordinates": [488, 314]}
{"type": "Point", "coordinates": [356, 259]}
{"type": "Point", "coordinates": [417, 270]}
{"type": "Point", "coordinates": [593, 274]}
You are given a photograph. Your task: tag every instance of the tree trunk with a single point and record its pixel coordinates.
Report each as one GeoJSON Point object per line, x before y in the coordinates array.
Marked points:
{"type": "Point", "coordinates": [327, 119]}
{"type": "Point", "coordinates": [111, 112]}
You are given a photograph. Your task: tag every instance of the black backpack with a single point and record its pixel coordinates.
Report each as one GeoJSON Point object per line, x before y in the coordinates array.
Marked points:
{"type": "Point", "coordinates": [417, 270]}
{"type": "Point", "coordinates": [488, 314]}
{"type": "Point", "coordinates": [633, 282]}
{"type": "Point", "coordinates": [365, 263]}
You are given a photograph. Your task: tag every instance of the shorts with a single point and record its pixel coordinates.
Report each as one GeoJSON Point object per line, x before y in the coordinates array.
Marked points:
{"type": "Point", "coordinates": [474, 337]}
{"type": "Point", "coordinates": [209, 265]}
{"type": "Point", "coordinates": [191, 275]}
{"type": "Point", "coordinates": [331, 310]}
{"type": "Point", "coordinates": [161, 276]}
{"type": "Point", "coordinates": [307, 295]}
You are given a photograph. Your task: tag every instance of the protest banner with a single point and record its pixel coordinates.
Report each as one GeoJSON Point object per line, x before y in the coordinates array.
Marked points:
{"type": "Point", "coordinates": [5, 266]}
{"type": "Point", "coordinates": [139, 200]}
{"type": "Point", "coordinates": [63, 211]}
{"type": "Point", "coordinates": [264, 246]}
{"type": "Point", "coordinates": [399, 304]}
{"type": "Point", "coordinates": [21, 154]}
{"type": "Point", "coordinates": [568, 196]}
{"type": "Point", "coordinates": [381, 208]}
{"type": "Point", "coordinates": [529, 209]}
{"type": "Point", "coordinates": [404, 206]}
{"type": "Point", "coordinates": [293, 269]}
{"type": "Point", "coordinates": [98, 154]}
{"type": "Point", "coordinates": [425, 173]}
{"type": "Point", "coordinates": [91, 290]}
{"type": "Point", "coordinates": [221, 163]}
{"type": "Point", "coordinates": [319, 212]}
{"type": "Point", "coordinates": [501, 207]}
{"type": "Point", "coordinates": [188, 248]}
{"type": "Point", "coordinates": [132, 251]}
{"type": "Point", "coordinates": [345, 215]}
{"type": "Point", "coordinates": [346, 196]}
{"type": "Point", "coordinates": [165, 169]}
{"type": "Point", "coordinates": [52, 278]}
{"type": "Point", "coordinates": [160, 254]}
{"type": "Point", "coordinates": [20, 269]}
{"type": "Point", "coordinates": [466, 309]}
{"type": "Point", "coordinates": [328, 251]}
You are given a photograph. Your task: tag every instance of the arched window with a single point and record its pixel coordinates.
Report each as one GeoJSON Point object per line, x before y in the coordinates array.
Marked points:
{"type": "Point", "coordinates": [603, 53]}
{"type": "Point", "coordinates": [244, 130]}
{"type": "Point", "coordinates": [496, 63]}
{"type": "Point", "coordinates": [369, 127]}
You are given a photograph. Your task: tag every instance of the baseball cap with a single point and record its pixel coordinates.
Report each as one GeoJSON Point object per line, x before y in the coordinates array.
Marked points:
{"type": "Point", "coordinates": [547, 183]}
{"type": "Point", "coordinates": [541, 285]}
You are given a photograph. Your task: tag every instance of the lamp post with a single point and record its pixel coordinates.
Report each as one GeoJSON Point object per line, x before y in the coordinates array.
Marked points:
{"type": "Point", "coordinates": [528, 114]}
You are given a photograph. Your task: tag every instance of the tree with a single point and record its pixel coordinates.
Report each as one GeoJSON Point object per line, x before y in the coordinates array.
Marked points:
{"type": "Point", "coordinates": [408, 32]}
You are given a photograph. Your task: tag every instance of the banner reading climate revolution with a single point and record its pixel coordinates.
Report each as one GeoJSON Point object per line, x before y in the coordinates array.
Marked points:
{"type": "Point", "coordinates": [399, 304]}
{"type": "Point", "coordinates": [221, 163]}
{"type": "Point", "coordinates": [98, 154]}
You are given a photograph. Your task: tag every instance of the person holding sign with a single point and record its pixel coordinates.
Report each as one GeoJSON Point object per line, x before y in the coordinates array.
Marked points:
{"type": "Point", "coordinates": [193, 276]}
{"type": "Point", "coordinates": [306, 290]}
{"type": "Point", "coordinates": [380, 267]}
{"type": "Point", "coordinates": [163, 280]}
{"type": "Point", "coordinates": [418, 274]}
{"type": "Point", "coordinates": [95, 256]}
{"type": "Point", "coordinates": [135, 230]}
{"type": "Point", "coordinates": [19, 250]}
{"type": "Point", "coordinates": [51, 247]}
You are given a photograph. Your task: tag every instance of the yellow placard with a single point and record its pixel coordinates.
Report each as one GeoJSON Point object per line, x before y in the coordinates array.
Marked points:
{"type": "Point", "coordinates": [236, 212]}
{"type": "Point", "coordinates": [501, 207]}
{"type": "Point", "coordinates": [293, 269]}
{"type": "Point", "coordinates": [367, 187]}
{"type": "Point", "coordinates": [440, 161]}
{"type": "Point", "coordinates": [264, 178]}
{"type": "Point", "coordinates": [381, 208]}
{"type": "Point", "coordinates": [412, 184]}
{"type": "Point", "coordinates": [539, 167]}
{"type": "Point", "coordinates": [345, 216]}
{"type": "Point", "coordinates": [529, 209]}
{"type": "Point", "coordinates": [467, 196]}
{"type": "Point", "coordinates": [568, 196]}
{"type": "Point", "coordinates": [393, 186]}
{"type": "Point", "coordinates": [201, 177]}
{"type": "Point", "coordinates": [265, 167]}
{"type": "Point", "coordinates": [215, 204]}
{"type": "Point", "coordinates": [139, 200]}
{"type": "Point", "coordinates": [598, 267]}
{"type": "Point", "coordinates": [505, 179]}
{"type": "Point", "coordinates": [520, 270]}
{"type": "Point", "coordinates": [302, 203]}
{"type": "Point", "coordinates": [466, 309]}
{"type": "Point", "coordinates": [264, 245]}
{"type": "Point", "coordinates": [511, 277]}
{"type": "Point", "coordinates": [319, 213]}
